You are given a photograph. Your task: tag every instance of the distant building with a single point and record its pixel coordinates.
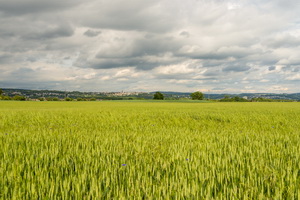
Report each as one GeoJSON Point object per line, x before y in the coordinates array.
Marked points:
{"type": "Point", "coordinates": [17, 93]}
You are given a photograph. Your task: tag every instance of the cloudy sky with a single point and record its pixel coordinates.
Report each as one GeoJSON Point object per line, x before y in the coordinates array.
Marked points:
{"type": "Point", "coordinates": [216, 46]}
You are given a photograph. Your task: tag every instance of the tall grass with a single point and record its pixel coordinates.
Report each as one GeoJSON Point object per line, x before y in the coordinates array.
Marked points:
{"type": "Point", "coordinates": [139, 150]}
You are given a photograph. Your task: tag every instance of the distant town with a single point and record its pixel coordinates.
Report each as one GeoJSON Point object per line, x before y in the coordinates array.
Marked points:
{"type": "Point", "coordinates": [56, 95]}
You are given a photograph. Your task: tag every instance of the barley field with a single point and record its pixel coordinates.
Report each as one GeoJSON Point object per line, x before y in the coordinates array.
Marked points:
{"type": "Point", "coordinates": [149, 150]}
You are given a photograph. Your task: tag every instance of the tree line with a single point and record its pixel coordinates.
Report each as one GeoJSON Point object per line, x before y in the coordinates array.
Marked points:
{"type": "Point", "coordinates": [157, 96]}
{"type": "Point", "coordinates": [195, 96]}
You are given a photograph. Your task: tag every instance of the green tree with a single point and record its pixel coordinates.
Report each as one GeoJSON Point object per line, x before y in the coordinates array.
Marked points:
{"type": "Point", "coordinates": [197, 95]}
{"type": "Point", "coordinates": [19, 98]}
{"type": "Point", "coordinates": [1, 91]}
{"type": "Point", "coordinates": [158, 96]}
{"type": "Point", "coordinates": [236, 98]}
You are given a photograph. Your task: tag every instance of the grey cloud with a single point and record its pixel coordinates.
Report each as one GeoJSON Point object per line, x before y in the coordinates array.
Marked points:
{"type": "Point", "coordinates": [92, 33]}
{"type": "Point", "coordinates": [6, 34]}
{"type": "Point", "coordinates": [5, 58]}
{"type": "Point", "coordinates": [139, 47]}
{"type": "Point", "coordinates": [36, 85]}
{"type": "Point", "coordinates": [184, 34]}
{"type": "Point", "coordinates": [264, 59]}
{"type": "Point", "coordinates": [282, 41]}
{"type": "Point", "coordinates": [23, 73]}
{"type": "Point", "coordinates": [218, 88]}
{"type": "Point", "coordinates": [132, 15]}
{"type": "Point", "coordinates": [10, 58]}
{"type": "Point", "coordinates": [282, 5]}
{"type": "Point", "coordinates": [31, 59]}
{"type": "Point", "coordinates": [175, 76]}
{"type": "Point", "coordinates": [115, 63]}
{"type": "Point", "coordinates": [49, 32]}
{"type": "Point", "coordinates": [21, 7]}
{"type": "Point", "coordinates": [25, 37]}
{"type": "Point", "coordinates": [223, 43]}
{"type": "Point", "coordinates": [144, 53]}
{"type": "Point", "coordinates": [272, 68]}
{"type": "Point", "coordinates": [236, 68]}
{"type": "Point", "coordinates": [217, 54]}
{"type": "Point", "coordinates": [206, 79]}
{"type": "Point", "coordinates": [140, 63]}
{"type": "Point", "coordinates": [212, 73]}
{"type": "Point", "coordinates": [291, 68]}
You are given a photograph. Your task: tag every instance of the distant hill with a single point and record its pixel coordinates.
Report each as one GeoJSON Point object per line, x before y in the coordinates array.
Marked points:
{"type": "Point", "coordinates": [34, 94]}
{"type": "Point", "coordinates": [292, 96]}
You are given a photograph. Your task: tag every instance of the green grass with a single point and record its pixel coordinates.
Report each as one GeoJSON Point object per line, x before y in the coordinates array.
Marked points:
{"type": "Point", "coordinates": [172, 150]}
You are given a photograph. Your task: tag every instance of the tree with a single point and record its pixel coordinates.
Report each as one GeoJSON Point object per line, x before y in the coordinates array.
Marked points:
{"type": "Point", "coordinates": [19, 98]}
{"type": "Point", "coordinates": [197, 95]}
{"type": "Point", "coordinates": [1, 92]}
{"type": "Point", "coordinates": [158, 96]}
{"type": "Point", "coordinates": [233, 99]}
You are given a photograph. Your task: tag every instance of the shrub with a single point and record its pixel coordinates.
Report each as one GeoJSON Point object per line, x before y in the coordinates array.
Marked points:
{"type": "Point", "coordinates": [19, 98]}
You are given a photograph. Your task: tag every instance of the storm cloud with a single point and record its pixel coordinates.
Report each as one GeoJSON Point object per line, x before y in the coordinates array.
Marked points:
{"type": "Point", "coordinates": [150, 45]}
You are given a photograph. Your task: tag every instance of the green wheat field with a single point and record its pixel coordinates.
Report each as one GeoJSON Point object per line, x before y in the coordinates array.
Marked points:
{"type": "Point", "coordinates": [149, 150]}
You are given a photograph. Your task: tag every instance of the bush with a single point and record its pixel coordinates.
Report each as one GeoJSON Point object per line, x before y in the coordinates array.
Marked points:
{"type": "Point", "coordinates": [19, 98]}
{"type": "Point", "coordinates": [6, 98]}
{"type": "Point", "coordinates": [68, 99]}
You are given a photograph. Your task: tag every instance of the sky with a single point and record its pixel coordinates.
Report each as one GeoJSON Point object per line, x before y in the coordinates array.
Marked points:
{"type": "Point", "coordinates": [213, 46]}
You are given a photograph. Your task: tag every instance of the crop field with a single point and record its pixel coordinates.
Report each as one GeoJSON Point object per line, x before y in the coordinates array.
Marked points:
{"type": "Point", "coordinates": [149, 150]}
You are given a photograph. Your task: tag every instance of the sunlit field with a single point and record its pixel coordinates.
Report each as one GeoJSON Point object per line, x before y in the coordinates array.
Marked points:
{"type": "Point", "coordinates": [149, 150]}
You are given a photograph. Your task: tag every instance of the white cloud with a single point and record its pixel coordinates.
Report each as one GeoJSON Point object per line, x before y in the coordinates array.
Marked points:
{"type": "Point", "coordinates": [233, 6]}
{"type": "Point", "coordinates": [279, 88]}
{"type": "Point", "coordinates": [150, 45]}
{"type": "Point", "coordinates": [295, 77]}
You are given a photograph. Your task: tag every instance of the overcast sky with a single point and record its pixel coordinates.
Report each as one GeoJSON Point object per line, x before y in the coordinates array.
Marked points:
{"type": "Point", "coordinates": [216, 46]}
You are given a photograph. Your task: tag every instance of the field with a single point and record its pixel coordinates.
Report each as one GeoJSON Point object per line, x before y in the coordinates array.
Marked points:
{"type": "Point", "coordinates": [149, 150]}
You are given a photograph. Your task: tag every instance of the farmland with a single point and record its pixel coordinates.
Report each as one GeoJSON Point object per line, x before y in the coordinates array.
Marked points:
{"type": "Point", "coordinates": [149, 150]}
